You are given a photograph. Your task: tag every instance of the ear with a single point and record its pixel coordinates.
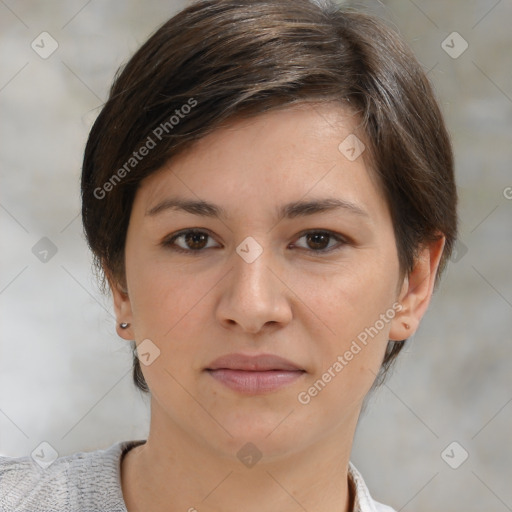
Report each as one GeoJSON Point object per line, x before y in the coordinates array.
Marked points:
{"type": "Point", "coordinates": [416, 291]}
{"type": "Point", "coordinates": [122, 306]}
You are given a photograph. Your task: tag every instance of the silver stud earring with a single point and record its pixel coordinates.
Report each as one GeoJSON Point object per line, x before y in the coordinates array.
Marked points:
{"type": "Point", "coordinates": [124, 325]}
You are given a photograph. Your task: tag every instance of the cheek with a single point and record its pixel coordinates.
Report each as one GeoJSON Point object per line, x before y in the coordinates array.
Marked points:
{"type": "Point", "coordinates": [349, 360]}
{"type": "Point", "coordinates": [166, 299]}
{"type": "Point", "coordinates": [168, 310]}
{"type": "Point", "coordinates": [356, 305]}
{"type": "Point", "coordinates": [350, 298]}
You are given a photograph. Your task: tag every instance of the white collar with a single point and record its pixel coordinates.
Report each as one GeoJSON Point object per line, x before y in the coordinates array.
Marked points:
{"type": "Point", "coordinates": [363, 501]}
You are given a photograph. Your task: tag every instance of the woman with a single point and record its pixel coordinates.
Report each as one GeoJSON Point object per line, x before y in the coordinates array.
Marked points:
{"type": "Point", "coordinates": [269, 194]}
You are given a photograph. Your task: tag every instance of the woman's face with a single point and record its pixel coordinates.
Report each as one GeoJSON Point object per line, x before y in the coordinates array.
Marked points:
{"type": "Point", "coordinates": [275, 268]}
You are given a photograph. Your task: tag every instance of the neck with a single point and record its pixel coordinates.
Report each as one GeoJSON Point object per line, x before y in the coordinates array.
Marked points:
{"type": "Point", "coordinates": [174, 472]}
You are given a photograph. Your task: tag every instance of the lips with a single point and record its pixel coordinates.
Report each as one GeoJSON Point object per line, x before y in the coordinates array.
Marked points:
{"type": "Point", "coordinates": [257, 363]}
{"type": "Point", "coordinates": [254, 375]}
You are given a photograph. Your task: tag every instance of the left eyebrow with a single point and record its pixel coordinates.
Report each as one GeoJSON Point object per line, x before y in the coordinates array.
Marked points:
{"type": "Point", "coordinates": [304, 208]}
{"type": "Point", "coordinates": [289, 211]}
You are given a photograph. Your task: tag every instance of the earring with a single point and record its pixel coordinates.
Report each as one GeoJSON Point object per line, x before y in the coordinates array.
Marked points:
{"type": "Point", "coordinates": [407, 326]}
{"type": "Point", "coordinates": [124, 325]}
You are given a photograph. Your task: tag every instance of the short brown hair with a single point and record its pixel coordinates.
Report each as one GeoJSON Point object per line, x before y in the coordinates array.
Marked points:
{"type": "Point", "coordinates": [234, 58]}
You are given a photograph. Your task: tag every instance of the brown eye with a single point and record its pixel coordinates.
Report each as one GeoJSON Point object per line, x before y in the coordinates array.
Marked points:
{"type": "Point", "coordinates": [318, 241]}
{"type": "Point", "coordinates": [195, 240]}
{"type": "Point", "coordinates": [189, 241]}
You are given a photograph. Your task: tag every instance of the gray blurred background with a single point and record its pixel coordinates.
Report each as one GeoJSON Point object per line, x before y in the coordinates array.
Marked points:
{"type": "Point", "coordinates": [65, 376]}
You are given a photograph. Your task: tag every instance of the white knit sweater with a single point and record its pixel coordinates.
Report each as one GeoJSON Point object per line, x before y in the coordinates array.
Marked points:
{"type": "Point", "coordinates": [91, 482]}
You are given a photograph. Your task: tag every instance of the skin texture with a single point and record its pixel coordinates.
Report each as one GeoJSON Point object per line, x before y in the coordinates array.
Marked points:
{"type": "Point", "coordinates": [303, 305]}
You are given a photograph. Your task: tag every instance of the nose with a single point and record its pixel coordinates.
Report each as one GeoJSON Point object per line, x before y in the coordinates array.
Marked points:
{"type": "Point", "coordinates": [254, 296]}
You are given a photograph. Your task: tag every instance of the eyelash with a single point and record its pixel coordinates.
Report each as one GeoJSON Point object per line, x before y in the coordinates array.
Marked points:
{"type": "Point", "coordinates": [169, 241]}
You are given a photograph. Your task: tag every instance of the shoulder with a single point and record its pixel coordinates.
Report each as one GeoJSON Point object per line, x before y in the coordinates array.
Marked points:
{"type": "Point", "coordinates": [83, 480]}
{"type": "Point", "coordinates": [17, 477]}
{"type": "Point", "coordinates": [363, 500]}
{"type": "Point", "coordinates": [379, 507]}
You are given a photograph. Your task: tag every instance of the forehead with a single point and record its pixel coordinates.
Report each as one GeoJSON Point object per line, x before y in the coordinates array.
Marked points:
{"type": "Point", "coordinates": [278, 156]}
